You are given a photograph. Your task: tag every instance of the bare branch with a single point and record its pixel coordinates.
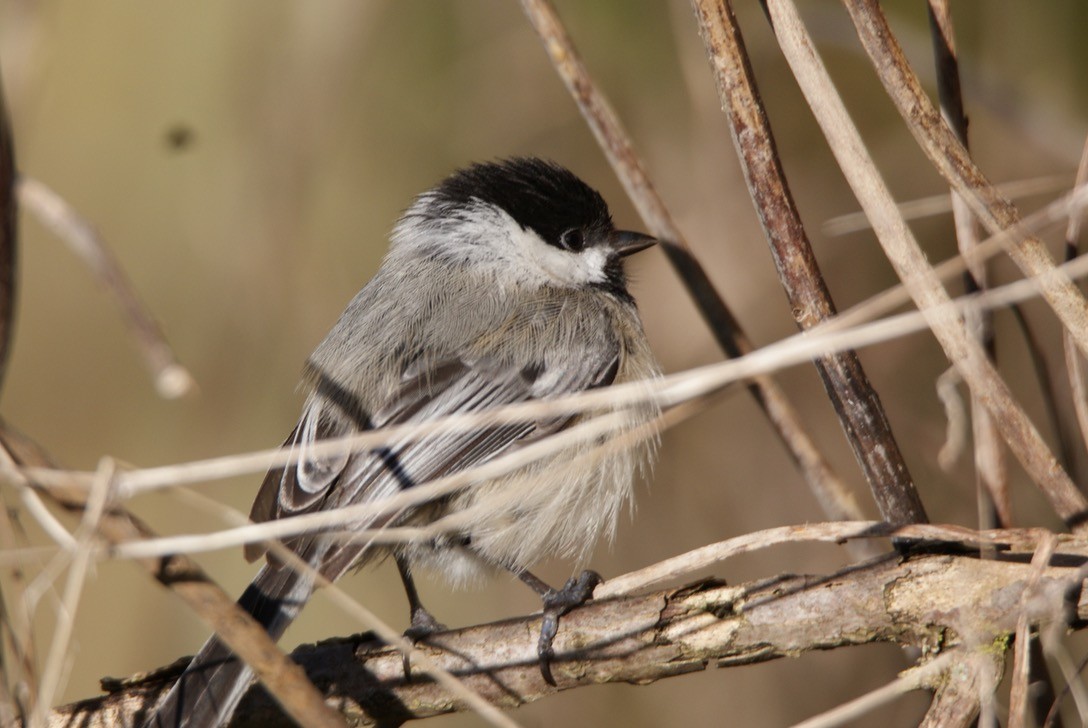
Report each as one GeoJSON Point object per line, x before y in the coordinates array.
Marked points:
{"type": "Point", "coordinates": [171, 378]}
{"type": "Point", "coordinates": [992, 473]}
{"type": "Point", "coordinates": [917, 275]}
{"type": "Point", "coordinates": [9, 244]}
{"type": "Point", "coordinates": [941, 603]}
{"type": "Point", "coordinates": [617, 146]}
{"type": "Point", "coordinates": [855, 401]}
{"type": "Point", "coordinates": [182, 576]}
{"type": "Point", "coordinates": [952, 160]}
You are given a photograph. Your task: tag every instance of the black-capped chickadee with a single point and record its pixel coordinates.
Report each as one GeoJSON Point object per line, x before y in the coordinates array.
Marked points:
{"type": "Point", "coordinates": [502, 284]}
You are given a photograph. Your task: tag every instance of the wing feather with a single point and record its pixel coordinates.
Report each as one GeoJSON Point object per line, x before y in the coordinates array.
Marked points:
{"type": "Point", "coordinates": [451, 386]}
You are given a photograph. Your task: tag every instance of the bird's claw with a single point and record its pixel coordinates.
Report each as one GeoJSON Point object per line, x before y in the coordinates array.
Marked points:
{"type": "Point", "coordinates": [557, 602]}
{"type": "Point", "coordinates": [423, 626]}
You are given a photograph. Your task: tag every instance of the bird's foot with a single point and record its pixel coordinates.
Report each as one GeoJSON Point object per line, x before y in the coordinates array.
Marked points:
{"type": "Point", "coordinates": [423, 626]}
{"type": "Point", "coordinates": [557, 602]}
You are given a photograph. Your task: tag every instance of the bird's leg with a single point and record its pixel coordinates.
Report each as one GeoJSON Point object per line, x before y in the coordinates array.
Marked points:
{"type": "Point", "coordinates": [557, 602]}
{"type": "Point", "coordinates": [423, 623]}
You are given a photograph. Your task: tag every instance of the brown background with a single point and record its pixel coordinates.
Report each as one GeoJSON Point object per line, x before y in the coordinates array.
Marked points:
{"type": "Point", "coordinates": [310, 126]}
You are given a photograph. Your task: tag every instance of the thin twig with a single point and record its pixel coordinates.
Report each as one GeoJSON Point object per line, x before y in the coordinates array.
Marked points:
{"type": "Point", "coordinates": [934, 205]}
{"type": "Point", "coordinates": [855, 401]}
{"type": "Point", "coordinates": [703, 557]}
{"type": "Point", "coordinates": [58, 658]}
{"type": "Point", "coordinates": [9, 243]}
{"type": "Point", "coordinates": [181, 575]}
{"type": "Point", "coordinates": [352, 607]}
{"type": "Point", "coordinates": [910, 680]}
{"type": "Point", "coordinates": [1073, 203]}
{"type": "Point", "coordinates": [990, 468]}
{"type": "Point", "coordinates": [629, 168]}
{"type": "Point", "coordinates": [914, 271]}
{"type": "Point", "coordinates": [951, 160]}
{"type": "Point", "coordinates": [1048, 390]}
{"type": "Point", "coordinates": [1074, 361]}
{"type": "Point", "coordinates": [171, 378]}
{"type": "Point", "coordinates": [1018, 694]}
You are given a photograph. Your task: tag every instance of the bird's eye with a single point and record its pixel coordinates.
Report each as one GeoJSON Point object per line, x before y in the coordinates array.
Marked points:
{"type": "Point", "coordinates": [572, 240]}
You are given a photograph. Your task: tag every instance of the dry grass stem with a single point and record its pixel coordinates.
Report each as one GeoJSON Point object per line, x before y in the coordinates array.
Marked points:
{"type": "Point", "coordinates": [913, 269]}
{"type": "Point", "coordinates": [613, 139]}
{"type": "Point", "coordinates": [935, 205]}
{"type": "Point", "coordinates": [951, 159]}
{"type": "Point", "coordinates": [181, 575]}
{"type": "Point", "coordinates": [1018, 696]}
{"type": "Point", "coordinates": [1072, 203]}
{"type": "Point", "coordinates": [421, 661]}
{"type": "Point", "coordinates": [990, 467]}
{"type": "Point", "coordinates": [58, 659]}
{"type": "Point", "coordinates": [171, 378]}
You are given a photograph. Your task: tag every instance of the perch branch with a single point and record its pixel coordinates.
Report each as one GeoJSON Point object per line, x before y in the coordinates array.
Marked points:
{"type": "Point", "coordinates": [950, 604]}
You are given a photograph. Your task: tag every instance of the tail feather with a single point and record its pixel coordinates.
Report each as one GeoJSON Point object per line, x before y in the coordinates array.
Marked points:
{"type": "Point", "coordinates": [209, 690]}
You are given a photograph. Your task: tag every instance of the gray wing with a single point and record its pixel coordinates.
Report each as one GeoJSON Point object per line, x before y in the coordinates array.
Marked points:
{"type": "Point", "coordinates": [449, 387]}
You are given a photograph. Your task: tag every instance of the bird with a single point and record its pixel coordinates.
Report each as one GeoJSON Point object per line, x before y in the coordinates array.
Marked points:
{"type": "Point", "coordinates": [504, 283]}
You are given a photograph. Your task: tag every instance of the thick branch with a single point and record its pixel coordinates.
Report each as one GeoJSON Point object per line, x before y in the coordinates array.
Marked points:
{"type": "Point", "coordinates": [936, 602]}
{"type": "Point", "coordinates": [855, 401]}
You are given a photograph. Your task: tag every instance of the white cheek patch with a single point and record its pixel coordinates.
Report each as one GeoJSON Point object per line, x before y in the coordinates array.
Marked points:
{"type": "Point", "coordinates": [529, 253]}
{"type": "Point", "coordinates": [495, 242]}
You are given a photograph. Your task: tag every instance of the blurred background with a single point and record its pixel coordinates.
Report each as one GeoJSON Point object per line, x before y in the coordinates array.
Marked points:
{"type": "Point", "coordinates": [246, 161]}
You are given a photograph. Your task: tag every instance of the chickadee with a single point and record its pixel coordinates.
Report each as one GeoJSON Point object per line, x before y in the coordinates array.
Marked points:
{"type": "Point", "coordinates": [503, 284]}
